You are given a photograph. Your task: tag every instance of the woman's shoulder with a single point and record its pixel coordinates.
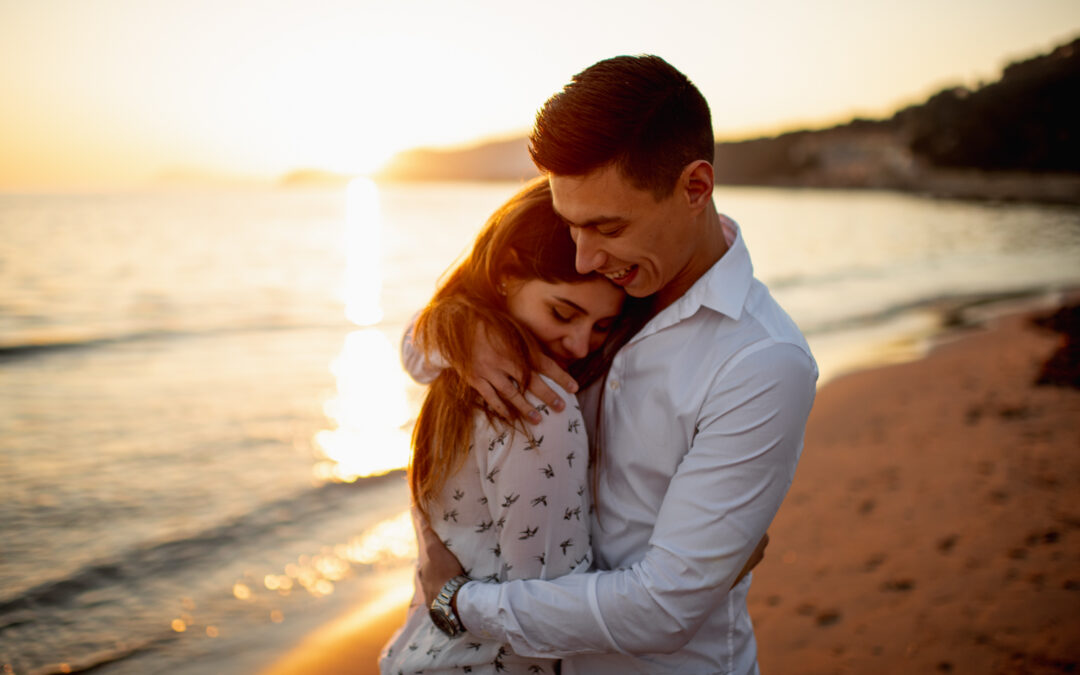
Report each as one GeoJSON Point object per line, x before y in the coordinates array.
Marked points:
{"type": "Point", "coordinates": [493, 433]}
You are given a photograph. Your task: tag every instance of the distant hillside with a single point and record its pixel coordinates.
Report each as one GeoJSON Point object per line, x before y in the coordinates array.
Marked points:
{"type": "Point", "coordinates": [307, 178]}
{"type": "Point", "coordinates": [503, 160]}
{"type": "Point", "coordinates": [1029, 120]}
{"type": "Point", "coordinates": [1016, 138]}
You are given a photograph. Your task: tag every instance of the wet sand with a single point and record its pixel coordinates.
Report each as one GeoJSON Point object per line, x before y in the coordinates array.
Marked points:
{"type": "Point", "coordinates": [934, 523]}
{"type": "Point", "coordinates": [933, 527]}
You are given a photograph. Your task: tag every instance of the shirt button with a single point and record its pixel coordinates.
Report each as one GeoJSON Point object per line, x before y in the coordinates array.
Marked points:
{"type": "Point", "coordinates": [614, 384]}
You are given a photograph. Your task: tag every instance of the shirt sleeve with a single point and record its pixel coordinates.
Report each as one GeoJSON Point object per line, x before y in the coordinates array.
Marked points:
{"type": "Point", "coordinates": [718, 505]}
{"type": "Point", "coordinates": [423, 369]}
{"type": "Point", "coordinates": [536, 486]}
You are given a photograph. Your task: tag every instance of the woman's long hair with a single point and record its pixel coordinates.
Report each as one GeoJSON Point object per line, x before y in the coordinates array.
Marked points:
{"type": "Point", "coordinates": [523, 239]}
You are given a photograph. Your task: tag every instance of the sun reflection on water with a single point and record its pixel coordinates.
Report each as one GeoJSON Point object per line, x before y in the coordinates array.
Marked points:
{"type": "Point", "coordinates": [389, 543]}
{"type": "Point", "coordinates": [370, 409]}
{"type": "Point", "coordinates": [363, 253]}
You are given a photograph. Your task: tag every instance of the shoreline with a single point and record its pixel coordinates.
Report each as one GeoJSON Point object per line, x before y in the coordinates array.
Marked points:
{"type": "Point", "coordinates": [352, 640]}
{"type": "Point", "coordinates": [928, 528]}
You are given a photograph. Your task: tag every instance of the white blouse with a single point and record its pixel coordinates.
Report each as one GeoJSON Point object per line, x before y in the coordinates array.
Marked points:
{"type": "Point", "coordinates": [519, 508]}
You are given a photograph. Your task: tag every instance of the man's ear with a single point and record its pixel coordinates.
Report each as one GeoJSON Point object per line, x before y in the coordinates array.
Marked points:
{"type": "Point", "coordinates": [696, 182]}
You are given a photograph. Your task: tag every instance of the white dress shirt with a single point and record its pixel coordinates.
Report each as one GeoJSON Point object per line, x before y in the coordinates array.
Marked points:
{"type": "Point", "coordinates": [703, 416]}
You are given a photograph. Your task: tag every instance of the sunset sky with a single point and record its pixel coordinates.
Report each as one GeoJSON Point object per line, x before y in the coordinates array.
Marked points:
{"type": "Point", "coordinates": [114, 93]}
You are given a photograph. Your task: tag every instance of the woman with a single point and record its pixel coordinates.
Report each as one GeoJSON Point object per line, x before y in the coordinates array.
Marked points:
{"type": "Point", "coordinates": [509, 498]}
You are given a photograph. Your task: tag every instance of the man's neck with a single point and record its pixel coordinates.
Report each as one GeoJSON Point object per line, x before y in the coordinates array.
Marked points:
{"type": "Point", "coordinates": [711, 246]}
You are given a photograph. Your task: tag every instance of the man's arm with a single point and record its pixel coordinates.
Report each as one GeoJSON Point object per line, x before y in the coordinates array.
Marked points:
{"type": "Point", "coordinates": [416, 363]}
{"type": "Point", "coordinates": [717, 507]}
{"type": "Point", "coordinates": [495, 377]}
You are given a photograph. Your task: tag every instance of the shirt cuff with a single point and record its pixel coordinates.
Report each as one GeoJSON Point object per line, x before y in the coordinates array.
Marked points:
{"type": "Point", "coordinates": [475, 602]}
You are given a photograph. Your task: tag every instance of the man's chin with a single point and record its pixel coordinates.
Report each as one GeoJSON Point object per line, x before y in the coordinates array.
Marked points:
{"type": "Point", "coordinates": [640, 289]}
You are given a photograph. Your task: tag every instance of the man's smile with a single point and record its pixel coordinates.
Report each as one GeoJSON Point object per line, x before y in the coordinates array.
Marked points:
{"type": "Point", "coordinates": [622, 276]}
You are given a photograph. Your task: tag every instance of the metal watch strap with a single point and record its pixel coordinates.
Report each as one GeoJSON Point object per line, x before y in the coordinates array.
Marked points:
{"type": "Point", "coordinates": [442, 612]}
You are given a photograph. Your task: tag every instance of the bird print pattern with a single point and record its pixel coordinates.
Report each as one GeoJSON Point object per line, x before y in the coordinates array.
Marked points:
{"type": "Point", "coordinates": [513, 511]}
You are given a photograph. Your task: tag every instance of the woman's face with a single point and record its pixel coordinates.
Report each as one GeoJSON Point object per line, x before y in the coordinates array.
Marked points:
{"type": "Point", "coordinates": [570, 319]}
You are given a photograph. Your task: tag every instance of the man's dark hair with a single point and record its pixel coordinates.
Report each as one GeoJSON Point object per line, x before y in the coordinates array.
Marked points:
{"type": "Point", "coordinates": [636, 111]}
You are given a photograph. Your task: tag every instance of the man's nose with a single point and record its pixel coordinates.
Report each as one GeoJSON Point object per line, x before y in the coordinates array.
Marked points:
{"type": "Point", "coordinates": [588, 258]}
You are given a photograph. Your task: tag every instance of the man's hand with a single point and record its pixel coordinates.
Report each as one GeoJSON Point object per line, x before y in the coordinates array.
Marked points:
{"type": "Point", "coordinates": [757, 556]}
{"type": "Point", "coordinates": [436, 563]}
{"type": "Point", "coordinates": [496, 378]}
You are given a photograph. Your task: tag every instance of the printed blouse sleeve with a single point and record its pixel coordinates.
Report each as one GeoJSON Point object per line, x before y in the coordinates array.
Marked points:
{"type": "Point", "coordinates": [536, 485]}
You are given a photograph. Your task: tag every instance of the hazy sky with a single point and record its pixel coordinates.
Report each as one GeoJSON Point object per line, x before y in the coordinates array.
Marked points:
{"type": "Point", "coordinates": [100, 93]}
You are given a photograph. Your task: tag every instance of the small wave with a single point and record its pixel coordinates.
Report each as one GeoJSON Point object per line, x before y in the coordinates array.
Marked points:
{"type": "Point", "coordinates": [951, 307]}
{"type": "Point", "coordinates": [162, 558]}
{"type": "Point", "coordinates": [47, 343]}
{"type": "Point", "coordinates": [98, 660]}
{"type": "Point", "coordinates": [780, 283]}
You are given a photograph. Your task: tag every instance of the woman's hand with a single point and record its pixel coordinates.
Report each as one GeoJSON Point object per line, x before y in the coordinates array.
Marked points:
{"type": "Point", "coordinates": [496, 377]}
{"type": "Point", "coordinates": [435, 562]}
{"type": "Point", "coordinates": [757, 556]}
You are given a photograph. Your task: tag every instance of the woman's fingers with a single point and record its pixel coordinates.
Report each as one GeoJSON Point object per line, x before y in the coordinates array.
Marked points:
{"type": "Point", "coordinates": [436, 563]}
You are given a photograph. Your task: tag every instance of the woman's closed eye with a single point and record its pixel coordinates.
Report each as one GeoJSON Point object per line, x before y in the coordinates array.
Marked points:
{"type": "Point", "coordinates": [561, 315]}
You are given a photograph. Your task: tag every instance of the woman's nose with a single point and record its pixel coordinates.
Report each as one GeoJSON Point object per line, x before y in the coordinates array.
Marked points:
{"type": "Point", "coordinates": [577, 343]}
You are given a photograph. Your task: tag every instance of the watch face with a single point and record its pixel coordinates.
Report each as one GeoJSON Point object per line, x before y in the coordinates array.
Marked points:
{"type": "Point", "coordinates": [442, 622]}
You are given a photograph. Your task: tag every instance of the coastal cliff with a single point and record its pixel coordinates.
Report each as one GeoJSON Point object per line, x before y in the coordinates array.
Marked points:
{"type": "Point", "coordinates": [1017, 138]}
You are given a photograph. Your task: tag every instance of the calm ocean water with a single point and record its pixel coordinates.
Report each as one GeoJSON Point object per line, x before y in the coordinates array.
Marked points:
{"type": "Point", "coordinates": [191, 384]}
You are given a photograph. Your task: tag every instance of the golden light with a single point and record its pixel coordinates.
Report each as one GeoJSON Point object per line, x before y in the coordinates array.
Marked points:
{"type": "Point", "coordinates": [391, 540]}
{"type": "Point", "coordinates": [388, 544]}
{"type": "Point", "coordinates": [241, 591]}
{"type": "Point", "coordinates": [370, 409]}
{"type": "Point", "coordinates": [363, 253]}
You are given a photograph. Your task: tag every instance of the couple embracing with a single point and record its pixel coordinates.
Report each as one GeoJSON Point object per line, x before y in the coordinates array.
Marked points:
{"type": "Point", "coordinates": [616, 410]}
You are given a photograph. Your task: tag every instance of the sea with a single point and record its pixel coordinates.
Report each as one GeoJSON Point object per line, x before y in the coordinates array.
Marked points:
{"type": "Point", "coordinates": [203, 419]}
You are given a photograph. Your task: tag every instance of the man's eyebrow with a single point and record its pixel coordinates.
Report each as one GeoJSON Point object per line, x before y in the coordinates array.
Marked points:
{"type": "Point", "coordinates": [572, 304]}
{"type": "Point", "coordinates": [592, 222]}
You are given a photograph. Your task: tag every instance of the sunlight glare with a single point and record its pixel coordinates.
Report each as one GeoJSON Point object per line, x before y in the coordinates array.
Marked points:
{"type": "Point", "coordinates": [370, 409]}
{"type": "Point", "coordinates": [386, 545]}
{"type": "Point", "coordinates": [363, 253]}
{"type": "Point", "coordinates": [391, 541]}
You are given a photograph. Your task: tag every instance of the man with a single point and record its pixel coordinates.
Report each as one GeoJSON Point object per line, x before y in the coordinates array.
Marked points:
{"type": "Point", "coordinates": [700, 418]}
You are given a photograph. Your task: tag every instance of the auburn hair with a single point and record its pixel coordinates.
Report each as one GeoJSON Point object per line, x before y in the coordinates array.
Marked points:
{"type": "Point", "coordinates": [523, 239]}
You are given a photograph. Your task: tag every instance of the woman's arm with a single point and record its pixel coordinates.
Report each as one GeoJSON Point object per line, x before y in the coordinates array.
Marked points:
{"type": "Point", "coordinates": [536, 484]}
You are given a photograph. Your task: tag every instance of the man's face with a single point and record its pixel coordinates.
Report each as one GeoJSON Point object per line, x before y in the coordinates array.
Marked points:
{"type": "Point", "coordinates": [624, 233]}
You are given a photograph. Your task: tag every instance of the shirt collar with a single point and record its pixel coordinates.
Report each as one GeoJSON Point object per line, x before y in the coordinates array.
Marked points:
{"type": "Point", "coordinates": [723, 288]}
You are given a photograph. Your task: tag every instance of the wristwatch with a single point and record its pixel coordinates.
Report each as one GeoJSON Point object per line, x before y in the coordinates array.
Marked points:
{"type": "Point", "coordinates": [442, 613]}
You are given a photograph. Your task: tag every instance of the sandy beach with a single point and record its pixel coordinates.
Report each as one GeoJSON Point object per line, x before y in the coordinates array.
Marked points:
{"type": "Point", "coordinates": [933, 525]}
